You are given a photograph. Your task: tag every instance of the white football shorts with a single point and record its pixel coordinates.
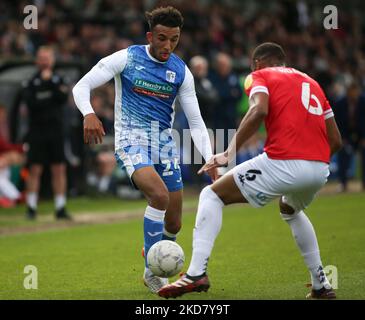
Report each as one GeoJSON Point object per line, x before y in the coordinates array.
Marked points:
{"type": "Point", "coordinates": [262, 179]}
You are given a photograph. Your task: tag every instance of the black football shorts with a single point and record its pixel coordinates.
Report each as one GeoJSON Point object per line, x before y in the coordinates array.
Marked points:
{"type": "Point", "coordinates": [46, 149]}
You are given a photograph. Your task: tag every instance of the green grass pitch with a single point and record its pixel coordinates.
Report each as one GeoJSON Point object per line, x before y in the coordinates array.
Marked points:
{"type": "Point", "coordinates": [254, 256]}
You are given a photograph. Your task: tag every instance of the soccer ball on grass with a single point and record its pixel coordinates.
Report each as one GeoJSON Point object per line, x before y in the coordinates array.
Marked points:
{"type": "Point", "coordinates": [165, 258]}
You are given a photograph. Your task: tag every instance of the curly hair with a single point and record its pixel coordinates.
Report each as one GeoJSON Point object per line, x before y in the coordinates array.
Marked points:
{"type": "Point", "coordinates": [166, 16]}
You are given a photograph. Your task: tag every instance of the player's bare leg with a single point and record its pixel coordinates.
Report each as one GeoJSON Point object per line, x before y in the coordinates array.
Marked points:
{"type": "Point", "coordinates": [207, 226]}
{"type": "Point", "coordinates": [32, 187]}
{"type": "Point", "coordinates": [173, 216]}
{"type": "Point", "coordinates": [157, 195]}
{"type": "Point", "coordinates": [59, 185]}
{"type": "Point", "coordinates": [152, 186]}
{"type": "Point", "coordinates": [59, 179]}
{"type": "Point", "coordinates": [227, 190]}
{"type": "Point", "coordinates": [305, 237]}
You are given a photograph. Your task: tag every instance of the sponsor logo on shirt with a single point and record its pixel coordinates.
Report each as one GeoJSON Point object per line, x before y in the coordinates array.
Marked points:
{"type": "Point", "coordinates": [152, 89]}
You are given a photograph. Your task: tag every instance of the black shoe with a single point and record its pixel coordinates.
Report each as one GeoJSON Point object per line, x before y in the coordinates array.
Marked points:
{"type": "Point", "coordinates": [62, 214]}
{"type": "Point", "coordinates": [31, 214]}
{"type": "Point", "coordinates": [323, 293]}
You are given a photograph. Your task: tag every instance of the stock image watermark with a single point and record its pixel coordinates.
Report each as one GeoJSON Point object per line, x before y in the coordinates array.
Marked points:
{"type": "Point", "coordinates": [31, 280]}
{"type": "Point", "coordinates": [331, 19]}
{"type": "Point", "coordinates": [153, 145]}
{"type": "Point", "coordinates": [30, 21]}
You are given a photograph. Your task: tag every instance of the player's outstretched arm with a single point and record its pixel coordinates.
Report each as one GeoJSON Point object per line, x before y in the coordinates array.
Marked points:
{"type": "Point", "coordinates": [259, 108]}
{"type": "Point", "coordinates": [199, 133]}
{"type": "Point", "coordinates": [333, 135]}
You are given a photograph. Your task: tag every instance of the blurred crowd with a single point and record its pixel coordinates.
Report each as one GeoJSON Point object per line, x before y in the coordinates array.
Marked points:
{"type": "Point", "coordinates": [216, 42]}
{"type": "Point", "coordinates": [87, 30]}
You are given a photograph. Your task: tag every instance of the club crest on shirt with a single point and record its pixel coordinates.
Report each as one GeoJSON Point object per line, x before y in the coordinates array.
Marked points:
{"type": "Point", "coordinates": [170, 76]}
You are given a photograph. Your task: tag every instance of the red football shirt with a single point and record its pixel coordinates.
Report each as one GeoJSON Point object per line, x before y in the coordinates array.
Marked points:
{"type": "Point", "coordinates": [298, 109]}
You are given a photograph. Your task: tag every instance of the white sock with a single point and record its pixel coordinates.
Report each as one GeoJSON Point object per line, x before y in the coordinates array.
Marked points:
{"type": "Point", "coordinates": [207, 226]}
{"type": "Point", "coordinates": [168, 235]}
{"type": "Point", "coordinates": [59, 201]}
{"type": "Point", "coordinates": [32, 199]}
{"type": "Point", "coordinates": [306, 240]}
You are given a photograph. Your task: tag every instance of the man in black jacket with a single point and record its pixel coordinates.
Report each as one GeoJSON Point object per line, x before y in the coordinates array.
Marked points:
{"type": "Point", "coordinates": [45, 94]}
{"type": "Point", "coordinates": [350, 115]}
{"type": "Point", "coordinates": [229, 91]}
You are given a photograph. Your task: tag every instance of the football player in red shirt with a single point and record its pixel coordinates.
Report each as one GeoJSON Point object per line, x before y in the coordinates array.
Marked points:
{"type": "Point", "coordinates": [301, 137]}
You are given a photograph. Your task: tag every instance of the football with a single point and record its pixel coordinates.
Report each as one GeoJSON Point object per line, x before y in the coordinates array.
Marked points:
{"type": "Point", "coordinates": [165, 258]}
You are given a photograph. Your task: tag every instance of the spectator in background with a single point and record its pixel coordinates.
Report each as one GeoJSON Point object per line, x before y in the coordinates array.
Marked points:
{"type": "Point", "coordinates": [229, 92]}
{"type": "Point", "coordinates": [10, 154]}
{"type": "Point", "coordinates": [205, 90]}
{"type": "Point", "coordinates": [45, 94]}
{"type": "Point", "coordinates": [361, 122]}
{"type": "Point", "coordinates": [106, 166]}
{"type": "Point", "coordinates": [208, 97]}
{"type": "Point", "coordinates": [350, 115]}
{"type": "Point", "coordinates": [103, 159]}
